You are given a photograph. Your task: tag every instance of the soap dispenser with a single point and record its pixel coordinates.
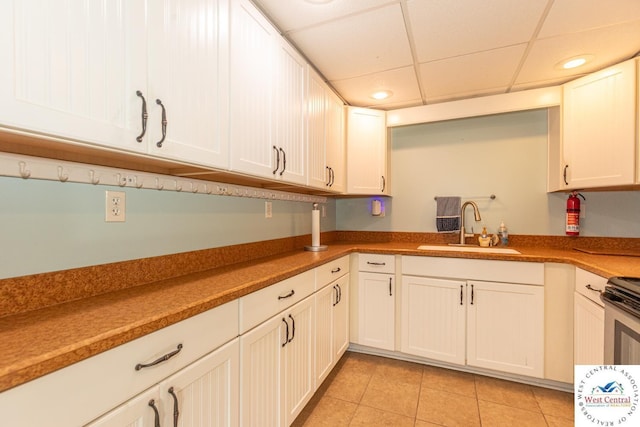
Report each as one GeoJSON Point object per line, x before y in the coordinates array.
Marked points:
{"type": "Point", "coordinates": [484, 240]}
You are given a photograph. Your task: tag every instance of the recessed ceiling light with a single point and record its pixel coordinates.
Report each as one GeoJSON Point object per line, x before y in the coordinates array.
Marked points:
{"type": "Point", "coordinates": [574, 62]}
{"type": "Point", "coordinates": [381, 94]}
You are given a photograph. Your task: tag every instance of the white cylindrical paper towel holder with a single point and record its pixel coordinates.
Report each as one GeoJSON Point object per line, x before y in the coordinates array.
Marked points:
{"type": "Point", "coordinates": [315, 231]}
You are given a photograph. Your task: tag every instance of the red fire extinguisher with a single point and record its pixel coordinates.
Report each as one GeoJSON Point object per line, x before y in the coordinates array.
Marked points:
{"type": "Point", "coordinates": [573, 214]}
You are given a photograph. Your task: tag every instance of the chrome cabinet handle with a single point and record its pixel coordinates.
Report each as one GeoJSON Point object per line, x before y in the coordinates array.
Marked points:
{"type": "Point", "coordinates": [564, 175]}
{"type": "Point", "coordinates": [591, 288]}
{"type": "Point", "coordinates": [176, 412]}
{"type": "Point", "coordinates": [161, 359]}
{"type": "Point", "coordinates": [277, 159]}
{"type": "Point", "coordinates": [284, 161]}
{"type": "Point", "coordinates": [289, 295]}
{"type": "Point", "coordinates": [156, 420]}
{"type": "Point", "coordinates": [145, 116]}
{"type": "Point", "coordinates": [164, 123]}
{"type": "Point", "coordinates": [286, 339]}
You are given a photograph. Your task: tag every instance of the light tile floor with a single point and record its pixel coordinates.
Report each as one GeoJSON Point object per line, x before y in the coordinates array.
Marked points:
{"type": "Point", "coordinates": [365, 390]}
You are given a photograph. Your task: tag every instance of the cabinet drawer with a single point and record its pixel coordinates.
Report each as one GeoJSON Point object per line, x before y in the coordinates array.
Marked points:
{"type": "Point", "coordinates": [331, 271]}
{"type": "Point", "coordinates": [377, 263]}
{"type": "Point", "coordinates": [83, 391]}
{"type": "Point", "coordinates": [257, 307]}
{"type": "Point", "coordinates": [590, 285]}
{"type": "Point", "coordinates": [531, 273]}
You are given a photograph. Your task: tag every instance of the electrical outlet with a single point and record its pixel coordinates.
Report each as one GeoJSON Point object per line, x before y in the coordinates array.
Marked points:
{"type": "Point", "coordinates": [115, 206]}
{"type": "Point", "coordinates": [268, 213]}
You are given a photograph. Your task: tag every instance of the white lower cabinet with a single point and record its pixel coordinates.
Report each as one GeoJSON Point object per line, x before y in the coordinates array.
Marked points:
{"type": "Point", "coordinates": [203, 394]}
{"type": "Point", "coordinates": [376, 310]}
{"type": "Point", "coordinates": [277, 367]}
{"type": "Point", "coordinates": [332, 326]}
{"type": "Point", "coordinates": [490, 325]}
{"type": "Point", "coordinates": [588, 320]}
{"type": "Point", "coordinates": [434, 318]}
{"type": "Point", "coordinates": [505, 327]}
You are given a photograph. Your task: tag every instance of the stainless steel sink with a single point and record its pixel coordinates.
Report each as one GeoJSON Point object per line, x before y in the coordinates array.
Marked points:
{"type": "Point", "coordinates": [468, 248]}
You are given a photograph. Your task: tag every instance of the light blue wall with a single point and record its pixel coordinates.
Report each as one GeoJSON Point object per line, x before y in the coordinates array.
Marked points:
{"type": "Point", "coordinates": [505, 155]}
{"type": "Point", "coordinates": [50, 225]}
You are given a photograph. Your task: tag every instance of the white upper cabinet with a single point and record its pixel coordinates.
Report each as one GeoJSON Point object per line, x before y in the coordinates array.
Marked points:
{"type": "Point", "coordinates": [325, 119]}
{"type": "Point", "coordinates": [267, 99]}
{"type": "Point", "coordinates": [599, 121]}
{"type": "Point", "coordinates": [366, 151]}
{"type": "Point", "coordinates": [188, 74]}
{"type": "Point", "coordinates": [72, 69]}
{"type": "Point", "coordinates": [93, 72]}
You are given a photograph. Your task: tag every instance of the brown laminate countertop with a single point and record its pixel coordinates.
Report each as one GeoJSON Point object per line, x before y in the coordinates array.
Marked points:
{"type": "Point", "coordinates": [41, 341]}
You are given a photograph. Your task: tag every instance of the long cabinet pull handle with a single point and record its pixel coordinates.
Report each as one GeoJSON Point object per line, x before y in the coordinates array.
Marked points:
{"type": "Point", "coordinates": [591, 288]}
{"type": "Point", "coordinates": [161, 359]}
{"type": "Point", "coordinates": [156, 419]}
{"type": "Point", "coordinates": [163, 122]}
{"type": "Point", "coordinates": [471, 294]}
{"type": "Point", "coordinates": [335, 299]}
{"type": "Point", "coordinates": [390, 294]}
{"type": "Point", "coordinates": [277, 159]}
{"type": "Point", "coordinates": [376, 263]}
{"type": "Point", "coordinates": [293, 328]}
{"type": "Point", "coordinates": [384, 184]}
{"type": "Point", "coordinates": [339, 293]}
{"type": "Point", "coordinates": [333, 177]}
{"type": "Point", "coordinates": [145, 116]}
{"type": "Point", "coordinates": [284, 161]}
{"type": "Point", "coordinates": [564, 175]}
{"type": "Point", "coordinates": [328, 183]}
{"type": "Point", "coordinates": [289, 295]}
{"type": "Point", "coordinates": [460, 294]}
{"type": "Point", "coordinates": [286, 339]}
{"type": "Point", "coordinates": [176, 412]}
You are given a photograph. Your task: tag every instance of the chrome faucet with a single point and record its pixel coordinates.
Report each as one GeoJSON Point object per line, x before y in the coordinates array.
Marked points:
{"type": "Point", "coordinates": [476, 214]}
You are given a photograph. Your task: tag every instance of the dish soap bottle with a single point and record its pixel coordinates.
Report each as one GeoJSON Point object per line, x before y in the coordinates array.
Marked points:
{"type": "Point", "coordinates": [504, 234]}
{"type": "Point", "coordinates": [484, 240]}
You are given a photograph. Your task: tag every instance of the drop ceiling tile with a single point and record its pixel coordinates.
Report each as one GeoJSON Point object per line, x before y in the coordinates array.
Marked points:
{"type": "Point", "coordinates": [445, 28]}
{"type": "Point", "coordinates": [402, 82]}
{"type": "Point", "coordinates": [357, 45]}
{"type": "Point", "coordinates": [291, 15]}
{"type": "Point", "coordinates": [476, 73]}
{"type": "Point", "coordinates": [603, 43]}
{"type": "Point", "coordinates": [570, 16]}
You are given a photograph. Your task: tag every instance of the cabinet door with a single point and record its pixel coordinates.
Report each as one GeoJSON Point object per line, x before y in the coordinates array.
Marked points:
{"type": "Point", "coordinates": [376, 310]}
{"type": "Point", "coordinates": [325, 300]}
{"type": "Point", "coordinates": [72, 69]}
{"type": "Point", "coordinates": [599, 128]}
{"type": "Point", "coordinates": [137, 412]}
{"type": "Point", "coordinates": [318, 171]}
{"type": "Point", "coordinates": [261, 374]}
{"type": "Point", "coordinates": [434, 319]}
{"type": "Point", "coordinates": [299, 362]}
{"type": "Point", "coordinates": [505, 327]}
{"type": "Point", "coordinates": [341, 319]}
{"type": "Point", "coordinates": [252, 54]}
{"type": "Point", "coordinates": [366, 151]}
{"type": "Point", "coordinates": [204, 394]}
{"type": "Point", "coordinates": [588, 335]}
{"type": "Point", "coordinates": [290, 114]}
{"type": "Point", "coordinates": [335, 142]}
{"type": "Point", "coordinates": [188, 73]}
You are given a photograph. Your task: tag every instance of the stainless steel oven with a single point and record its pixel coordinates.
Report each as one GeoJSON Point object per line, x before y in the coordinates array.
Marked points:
{"type": "Point", "coordinates": [621, 299]}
